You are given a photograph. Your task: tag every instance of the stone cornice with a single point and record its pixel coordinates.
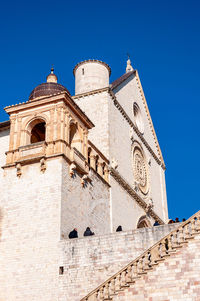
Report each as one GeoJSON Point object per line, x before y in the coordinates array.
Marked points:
{"type": "Point", "coordinates": [65, 97]}
{"type": "Point", "coordinates": [149, 117]}
{"type": "Point", "coordinates": [115, 174]}
{"type": "Point", "coordinates": [92, 61]}
{"type": "Point", "coordinates": [125, 115]}
{"type": "Point", "coordinates": [98, 151]}
{"type": "Point", "coordinates": [90, 93]}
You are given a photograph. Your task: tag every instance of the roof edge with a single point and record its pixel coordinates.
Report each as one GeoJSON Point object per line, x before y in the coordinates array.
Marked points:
{"type": "Point", "coordinates": [121, 79]}
{"type": "Point", "coordinates": [4, 124]}
{"type": "Point", "coordinates": [92, 61]}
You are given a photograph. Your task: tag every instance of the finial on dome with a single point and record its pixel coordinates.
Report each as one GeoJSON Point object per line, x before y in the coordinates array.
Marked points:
{"type": "Point", "coordinates": [52, 78]}
{"type": "Point", "coordinates": [129, 68]}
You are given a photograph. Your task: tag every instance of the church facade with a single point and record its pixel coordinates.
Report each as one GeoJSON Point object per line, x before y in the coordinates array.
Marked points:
{"type": "Point", "coordinates": [92, 159]}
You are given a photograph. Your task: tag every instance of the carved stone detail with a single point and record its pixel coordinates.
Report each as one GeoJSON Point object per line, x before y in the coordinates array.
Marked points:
{"type": "Point", "coordinates": [42, 165]}
{"type": "Point", "coordinates": [140, 170]}
{"type": "Point", "coordinates": [72, 170]}
{"type": "Point", "coordinates": [19, 170]}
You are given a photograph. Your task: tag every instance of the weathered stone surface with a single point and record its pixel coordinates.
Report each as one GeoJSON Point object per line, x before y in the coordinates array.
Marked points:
{"type": "Point", "coordinates": [90, 261]}
{"type": "Point", "coordinates": [177, 278]}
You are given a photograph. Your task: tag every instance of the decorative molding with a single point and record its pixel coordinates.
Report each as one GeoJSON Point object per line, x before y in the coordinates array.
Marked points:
{"type": "Point", "coordinates": [127, 118]}
{"type": "Point", "coordinates": [149, 116]}
{"type": "Point", "coordinates": [72, 170]}
{"type": "Point", "coordinates": [115, 174]}
{"type": "Point", "coordinates": [84, 181]}
{"type": "Point", "coordinates": [98, 151]}
{"type": "Point", "coordinates": [19, 170]}
{"type": "Point", "coordinates": [42, 165]}
{"type": "Point", "coordinates": [106, 89]}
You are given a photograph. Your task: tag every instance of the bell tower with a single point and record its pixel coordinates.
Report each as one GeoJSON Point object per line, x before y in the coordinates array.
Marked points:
{"type": "Point", "coordinates": [48, 124]}
{"type": "Point", "coordinates": [49, 186]}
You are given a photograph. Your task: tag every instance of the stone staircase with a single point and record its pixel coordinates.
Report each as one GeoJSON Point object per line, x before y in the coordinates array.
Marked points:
{"type": "Point", "coordinates": [152, 257]}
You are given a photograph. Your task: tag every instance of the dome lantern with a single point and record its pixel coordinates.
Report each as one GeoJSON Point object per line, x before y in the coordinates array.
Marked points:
{"type": "Point", "coordinates": [52, 78]}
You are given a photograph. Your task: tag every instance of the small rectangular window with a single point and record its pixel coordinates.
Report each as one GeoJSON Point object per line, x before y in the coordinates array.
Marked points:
{"type": "Point", "coordinates": [83, 71]}
{"type": "Point", "coordinates": [61, 270]}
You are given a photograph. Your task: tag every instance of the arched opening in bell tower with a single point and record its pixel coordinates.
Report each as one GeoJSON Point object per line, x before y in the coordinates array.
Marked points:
{"type": "Point", "coordinates": [74, 137]}
{"type": "Point", "coordinates": [38, 132]}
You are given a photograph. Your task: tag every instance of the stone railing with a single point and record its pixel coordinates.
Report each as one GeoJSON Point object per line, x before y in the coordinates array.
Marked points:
{"type": "Point", "coordinates": [33, 149]}
{"type": "Point", "coordinates": [97, 161]}
{"type": "Point", "coordinates": [151, 257]}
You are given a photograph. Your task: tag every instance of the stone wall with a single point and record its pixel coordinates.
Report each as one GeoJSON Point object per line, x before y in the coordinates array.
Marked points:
{"type": "Point", "coordinates": [95, 107]}
{"type": "Point", "coordinates": [90, 261]}
{"type": "Point", "coordinates": [176, 278]}
{"type": "Point", "coordinates": [121, 145]}
{"type": "Point", "coordinates": [111, 135]}
{"type": "Point", "coordinates": [30, 231]}
{"type": "Point", "coordinates": [36, 210]}
{"type": "Point", "coordinates": [83, 207]}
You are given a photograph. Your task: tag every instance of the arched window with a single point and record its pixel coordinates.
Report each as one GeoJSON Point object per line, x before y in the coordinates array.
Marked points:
{"type": "Point", "coordinates": [35, 131]}
{"type": "Point", "coordinates": [143, 222]}
{"type": "Point", "coordinates": [72, 132]}
{"type": "Point", "coordinates": [38, 132]}
{"type": "Point", "coordinates": [74, 137]}
{"type": "Point", "coordinates": [89, 153]}
{"type": "Point", "coordinates": [138, 118]}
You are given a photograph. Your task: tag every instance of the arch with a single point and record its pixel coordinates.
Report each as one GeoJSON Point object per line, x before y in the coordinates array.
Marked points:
{"type": "Point", "coordinates": [89, 154]}
{"type": "Point", "coordinates": [74, 136]}
{"type": "Point", "coordinates": [143, 222]}
{"type": "Point", "coordinates": [36, 130]}
{"type": "Point", "coordinates": [138, 117]}
{"type": "Point", "coordinates": [29, 120]}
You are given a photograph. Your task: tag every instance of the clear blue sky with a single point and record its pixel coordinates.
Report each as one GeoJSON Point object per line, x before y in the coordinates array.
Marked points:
{"type": "Point", "coordinates": [163, 39]}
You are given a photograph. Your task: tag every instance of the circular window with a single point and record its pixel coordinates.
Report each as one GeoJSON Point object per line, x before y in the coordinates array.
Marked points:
{"type": "Point", "coordinates": [140, 170]}
{"type": "Point", "coordinates": [138, 117]}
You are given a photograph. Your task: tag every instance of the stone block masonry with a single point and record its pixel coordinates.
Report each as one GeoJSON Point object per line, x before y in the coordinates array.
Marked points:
{"type": "Point", "coordinates": [90, 261]}
{"type": "Point", "coordinates": [175, 279]}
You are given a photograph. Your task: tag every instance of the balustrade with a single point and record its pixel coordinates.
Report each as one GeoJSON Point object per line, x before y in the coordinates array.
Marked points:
{"type": "Point", "coordinates": [97, 161]}
{"type": "Point", "coordinates": [146, 261]}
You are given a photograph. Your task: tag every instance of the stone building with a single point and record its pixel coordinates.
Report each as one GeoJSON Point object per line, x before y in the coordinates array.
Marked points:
{"type": "Point", "coordinates": [92, 159]}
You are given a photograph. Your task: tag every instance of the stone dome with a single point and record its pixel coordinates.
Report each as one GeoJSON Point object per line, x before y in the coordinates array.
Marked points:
{"type": "Point", "coordinates": [48, 88]}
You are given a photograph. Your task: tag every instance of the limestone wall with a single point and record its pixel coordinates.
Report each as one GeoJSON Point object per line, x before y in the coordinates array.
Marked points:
{"type": "Point", "coordinates": [83, 207]}
{"type": "Point", "coordinates": [96, 108]}
{"type": "Point", "coordinates": [36, 210]}
{"type": "Point", "coordinates": [127, 93]}
{"type": "Point", "coordinates": [177, 278]}
{"type": "Point", "coordinates": [91, 75]}
{"type": "Point", "coordinates": [30, 231]}
{"type": "Point", "coordinates": [111, 135]}
{"type": "Point", "coordinates": [4, 146]}
{"type": "Point", "coordinates": [121, 149]}
{"type": "Point", "coordinates": [90, 261]}
{"type": "Point", "coordinates": [125, 211]}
